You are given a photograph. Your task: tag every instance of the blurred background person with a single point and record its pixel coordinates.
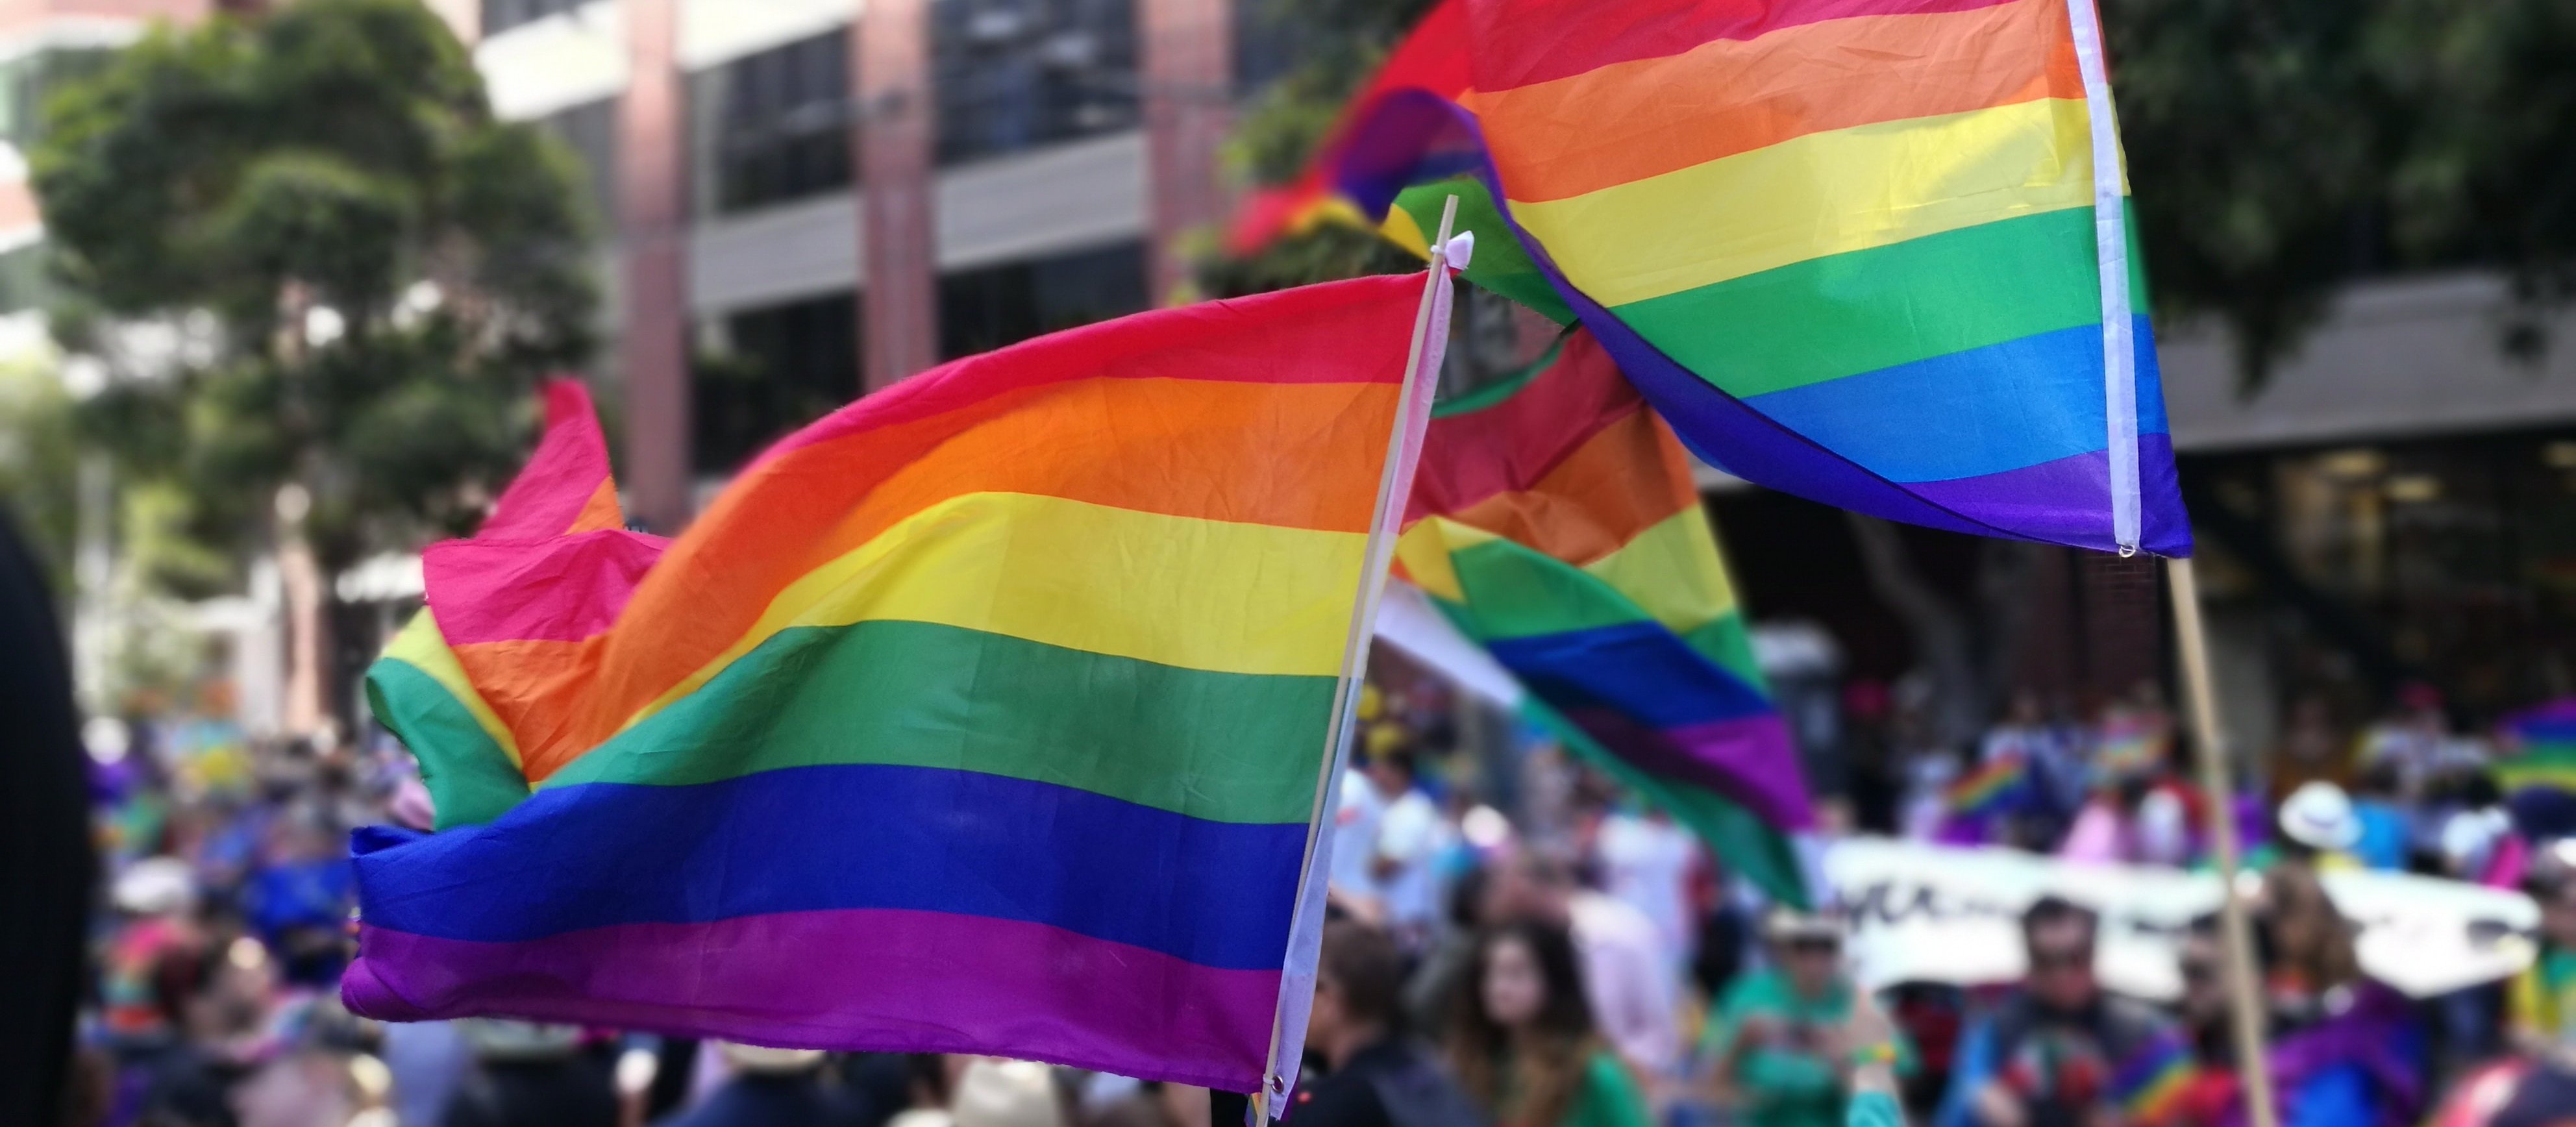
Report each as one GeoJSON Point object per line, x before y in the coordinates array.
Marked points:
{"type": "Point", "coordinates": [1522, 1042]}
{"type": "Point", "coordinates": [1782, 1047]}
{"type": "Point", "coordinates": [2543, 997]}
{"type": "Point", "coordinates": [531, 1075]}
{"type": "Point", "coordinates": [771, 1088]}
{"type": "Point", "coordinates": [1627, 977]}
{"type": "Point", "coordinates": [1373, 1075]}
{"type": "Point", "coordinates": [2045, 1056]}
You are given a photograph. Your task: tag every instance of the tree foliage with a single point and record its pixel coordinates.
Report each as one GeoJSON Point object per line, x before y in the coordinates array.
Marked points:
{"type": "Point", "coordinates": [353, 270]}
{"type": "Point", "coordinates": [2280, 150]}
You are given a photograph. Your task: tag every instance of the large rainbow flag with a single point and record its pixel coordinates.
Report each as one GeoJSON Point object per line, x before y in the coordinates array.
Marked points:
{"type": "Point", "coordinates": [1555, 522]}
{"type": "Point", "coordinates": [986, 715]}
{"type": "Point", "coordinates": [1873, 252]}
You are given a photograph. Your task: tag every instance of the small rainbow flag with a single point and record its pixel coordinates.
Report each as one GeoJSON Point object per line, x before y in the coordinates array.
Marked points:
{"type": "Point", "coordinates": [1876, 253]}
{"type": "Point", "coordinates": [985, 715]}
{"type": "Point", "coordinates": [1555, 522]}
{"type": "Point", "coordinates": [2149, 1086]}
{"type": "Point", "coordinates": [1993, 788]}
{"type": "Point", "coordinates": [2538, 773]}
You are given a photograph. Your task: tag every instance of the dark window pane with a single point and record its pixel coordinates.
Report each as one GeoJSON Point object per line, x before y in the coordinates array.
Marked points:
{"type": "Point", "coordinates": [502, 15]}
{"type": "Point", "coordinates": [1011, 74]}
{"type": "Point", "coordinates": [981, 310]}
{"type": "Point", "coordinates": [783, 367]}
{"type": "Point", "coordinates": [781, 127]}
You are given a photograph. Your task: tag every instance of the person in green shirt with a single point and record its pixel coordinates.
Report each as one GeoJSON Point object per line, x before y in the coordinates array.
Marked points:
{"type": "Point", "coordinates": [1521, 1039]}
{"type": "Point", "coordinates": [1785, 1045]}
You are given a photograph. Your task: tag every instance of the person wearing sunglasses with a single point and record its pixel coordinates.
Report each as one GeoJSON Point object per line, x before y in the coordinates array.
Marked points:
{"type": "Point", "coordinates": [1787, 1044]}
{"type": "Point", "coordinates": [2048, 1055]}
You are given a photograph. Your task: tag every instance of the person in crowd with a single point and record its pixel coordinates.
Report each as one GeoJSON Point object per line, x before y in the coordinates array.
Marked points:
{"type": "Point", "coordinates": [933, 1080]}
{"type": "Point", "coordinates": [1645, 861]}
{"type": "Point", "coordinates": [1783, 1048]}
{"type": "Point", "coordinates": [529, 1075]}
{"type": "Point", "coordinates": [1373, 1076]}
{"type": "Point", "coordinates": [1522, 1042]}
{"type": "Point", "coordinates": [2319, 828]}
{"type": "Point", "coordinates": [2312, 749]}
{"type": "Point", "coordinates": [2410, 737]}
{"type": "Point", "coordinates": [2376, 805]}
{"type": "Point", "coordinates": [2056, 776]}
{"type": "Point", "coordinates": [1627, 977]}
{"type": "Point", "coordinates": [1723, 918]}
{"type": "Point", "coordinates": [1006, 1093]}
{"type": "Point", "coordinates": [47, 860]}
{"type": "Point", "coordinates": [2543, 996]}
{"type": "Point", "coordinates": [2106, 830]}
{"type": "Point", "coordinates": [1447, 965]}
{"type": "Point", "coordinates": [2048, 1054]}
{"type": "Point", "coordinates": [771, 1088]}
{"type": "Point", "coordinates": [2343, 1050]}
{"type": "Point", "coordinates": [1409, 835]}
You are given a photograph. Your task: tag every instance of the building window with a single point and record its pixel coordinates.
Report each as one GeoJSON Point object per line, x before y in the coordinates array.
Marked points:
{"type": "Point", "coordinates": [502, 15]}
{"type": "Point", "coordinates": [590, 129]}
{"type": "Point", "coordinates": [774, 370]}
{"type": "Point", "coordinates": [981, 310]}
{"type": "Point", "coordinates": [775, 126]}
{"type": "Point", "coordinates": [1012, 74]}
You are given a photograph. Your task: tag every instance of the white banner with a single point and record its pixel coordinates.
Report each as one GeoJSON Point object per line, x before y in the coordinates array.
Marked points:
{"type": "Point", "coordinates": [1927, 913]}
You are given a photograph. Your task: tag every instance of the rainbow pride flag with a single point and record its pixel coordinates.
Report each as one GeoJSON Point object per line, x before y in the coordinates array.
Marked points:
{"type": "Point", "coordinates": [1872, 252]}
{"type": "Point", "coordinates": [2149, 1086]}
{"type": "Point", "coordinates": [1995, 787]}
{"type": "Point", "coordinates": [1432, 57]}
{"type": "Point", "coordinates": [1555, 522]}
{"type": "Point", "coordinates": [987, 714]}
{"type": "Point", "coordinates": [2538, 773]}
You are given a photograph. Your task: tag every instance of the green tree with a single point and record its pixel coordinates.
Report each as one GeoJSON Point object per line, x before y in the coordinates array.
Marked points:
{"type": "Point", "coordinates": [2280, 150]}
{"type": "Point", "coordinates": [319, 267]}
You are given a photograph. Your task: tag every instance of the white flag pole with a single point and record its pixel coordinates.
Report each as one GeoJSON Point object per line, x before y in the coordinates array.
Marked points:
{"type": "Point", "coordinates": [1395, 485]}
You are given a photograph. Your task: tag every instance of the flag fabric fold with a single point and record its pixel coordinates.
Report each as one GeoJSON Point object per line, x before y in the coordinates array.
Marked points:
{"type": "Point", "coordinates": [1877, 253]}
{"type": "Point", "coordinates": [554, 546]}
{"type": "Point", "coordinates": [985, 715]}
{"type": "Point", "coordinates": [1555, 521]}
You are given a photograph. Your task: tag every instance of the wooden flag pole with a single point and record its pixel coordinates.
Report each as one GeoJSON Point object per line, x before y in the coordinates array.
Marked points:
{"type": "Point", "coordinates": [2244, 1003]}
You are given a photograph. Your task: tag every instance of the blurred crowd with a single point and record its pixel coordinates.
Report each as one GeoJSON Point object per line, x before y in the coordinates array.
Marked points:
{"type": "Point", "coordinates": [1513, 941]}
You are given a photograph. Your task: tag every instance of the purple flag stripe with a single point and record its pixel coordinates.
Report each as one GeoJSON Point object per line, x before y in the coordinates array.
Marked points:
{"type": "Point", "coordinates": [869, 979]}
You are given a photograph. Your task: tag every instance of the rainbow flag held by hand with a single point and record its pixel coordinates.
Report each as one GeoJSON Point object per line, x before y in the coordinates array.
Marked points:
{"type": "Point", "coordinates": [1876, 253]}
{"type": "Point", "coordinates": [985, 715]}
{"type": "Point", "coordinates": [1555, 522]}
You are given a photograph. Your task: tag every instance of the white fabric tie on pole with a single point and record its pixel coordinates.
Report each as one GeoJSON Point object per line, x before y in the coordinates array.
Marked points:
{"type": "Point", "coordinates": [2111, 254]}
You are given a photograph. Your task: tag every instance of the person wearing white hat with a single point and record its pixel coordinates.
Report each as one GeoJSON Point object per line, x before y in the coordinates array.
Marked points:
{"type": "Point", "coordinates": [2318, 819]}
